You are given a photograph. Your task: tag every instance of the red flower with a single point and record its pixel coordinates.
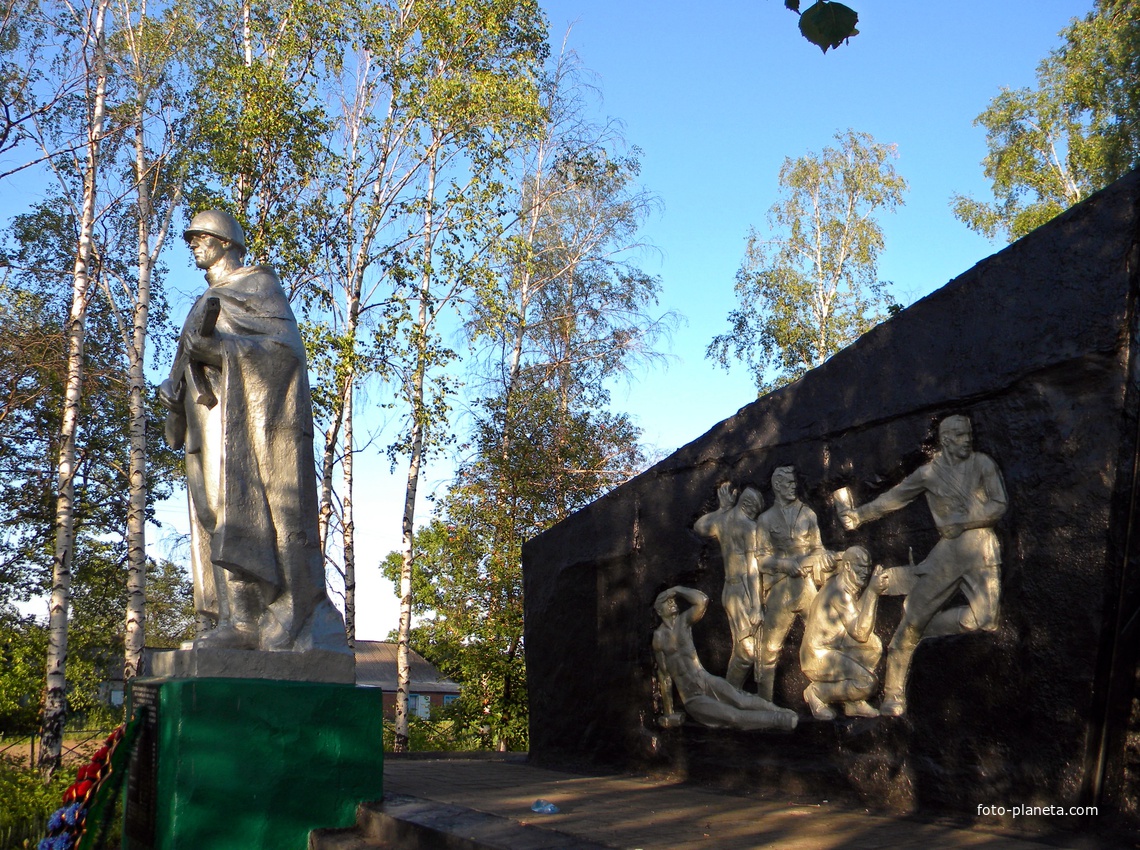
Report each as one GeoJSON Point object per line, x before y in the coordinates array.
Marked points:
{"type": "Point", "coordinates": [78, 791]}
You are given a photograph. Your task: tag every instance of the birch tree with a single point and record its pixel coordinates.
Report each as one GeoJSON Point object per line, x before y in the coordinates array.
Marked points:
{"type": "Point", "coordinates": [377, 166]}
{"type": "Point", "coordinates": [146, 49]}
{"type": "Point", "coordinates": [259, 124]}
{"type": "Point", "coordinates": [569, 310]}
{"type": "Point", "coordinates": [809, 284]}
{"type": "Point", "coordinates": [40, 244]}
{"type": "Point", "coordinates": [1052, 145]}
{"type": "Point", "coordinates": [474, 86]}
{"type": "Point", "coordinates": [90, 22]}
{"type": "Point", "coordinates": [30, 43]}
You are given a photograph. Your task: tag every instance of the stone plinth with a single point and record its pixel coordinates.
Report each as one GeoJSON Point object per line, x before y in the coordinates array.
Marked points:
{"type": "Point", "coordinates": [1037, 345]}
{"type": "Point", "coordinates": [315, 665]}
{"type": "Point", "coordinates": [240, 764]}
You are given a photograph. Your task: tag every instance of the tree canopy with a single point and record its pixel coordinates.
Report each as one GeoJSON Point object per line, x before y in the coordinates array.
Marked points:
{"type": "Point", "coordinates": [1052, 145]}
{"type": "Point", "coordinates": [809, 284]}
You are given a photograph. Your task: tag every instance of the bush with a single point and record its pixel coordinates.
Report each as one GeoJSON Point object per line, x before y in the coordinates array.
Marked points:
{"type": "Point", "coordinates": [26, 803]}
{"type": "Point", "coordinates": [433, 735]}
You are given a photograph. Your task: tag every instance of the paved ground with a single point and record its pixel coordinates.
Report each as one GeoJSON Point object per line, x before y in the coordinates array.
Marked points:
{"type": "Point", "coordinates": [639, 812]}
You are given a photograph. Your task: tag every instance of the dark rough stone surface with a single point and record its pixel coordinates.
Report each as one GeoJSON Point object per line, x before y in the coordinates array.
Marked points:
{"type": "Point", "coordinates": [1037, 345]}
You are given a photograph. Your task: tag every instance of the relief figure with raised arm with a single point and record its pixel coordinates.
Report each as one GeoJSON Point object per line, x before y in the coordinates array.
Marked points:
{"type": "Point", "coordinates": [733, 524]}
{"type": "Point", "coordinates": [708, 699]}
{"type": "Point", "coordinates": [966, 496]}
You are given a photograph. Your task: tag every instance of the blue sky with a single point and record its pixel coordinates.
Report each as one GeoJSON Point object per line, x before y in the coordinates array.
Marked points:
{"type": "Point", "coordinates": [716, 95]}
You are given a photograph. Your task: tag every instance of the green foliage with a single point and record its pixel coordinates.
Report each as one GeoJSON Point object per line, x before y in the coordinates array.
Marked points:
{"type": "Point", "coordinates": [26, 802]}
{"type": "Point", "coordinates": [810, 285]}
{"type": "Point", "coordinates": [567, 310]}
{"type": "Point", "coordinates": [170, 614]}
{"type": "Point", "coordinates": [435, 734]}
{"type": "Point", "coordinates": [95, 638]}
{"type": "Point", "coordinates": [31, 381]}
{"type": "Point", "coordinates": [467, 576]}
{"type": "Point", "coordinates": [23, 648]}
{"type": "Point", "coordinates": [33, 311]}
{"type": "Point", "coordinates": [258, 126]}
{"type": "Point", "coordinates": [1075, 132]}
{"type": "Point", "coordinates": [27, 92]}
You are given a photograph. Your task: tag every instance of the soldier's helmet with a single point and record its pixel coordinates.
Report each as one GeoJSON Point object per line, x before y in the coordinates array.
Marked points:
{"type": "Point", "coordinates": [219, 224]}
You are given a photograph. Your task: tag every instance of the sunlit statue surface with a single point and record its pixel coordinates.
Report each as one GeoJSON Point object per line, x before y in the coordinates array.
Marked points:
{"type": "Point", "coordinates": [733, 524]}
{"type": "Point", "coordinates": [966, 496]}
{"type": "Point", "coordinates": [840, 649]}
{"type": "Point", "coordinates": [792, 560]}
{"type": "Point", "coordinates": [238, 402]}
{"type": "Point", "coordinates": [708, 699]}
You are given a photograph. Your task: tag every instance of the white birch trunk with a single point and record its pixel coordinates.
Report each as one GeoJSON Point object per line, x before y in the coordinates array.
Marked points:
{"type": "Point", "coordinates": [134, 637]}
{"type": "Point", "coordinates": [328, 465]}
{"type": "Point", "coordinates": [414, 461]}
{"type": "Point", "coordinates": [51, 736]}
{"type": "Point", "coordinates": [349, 532]}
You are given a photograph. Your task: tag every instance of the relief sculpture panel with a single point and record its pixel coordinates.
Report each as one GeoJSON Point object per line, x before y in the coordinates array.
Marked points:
{"type": "Point", "coordinates": [777, 568]}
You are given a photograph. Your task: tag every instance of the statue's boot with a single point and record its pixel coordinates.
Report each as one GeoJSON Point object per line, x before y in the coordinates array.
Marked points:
{"type": "Point", "coordinates": [227, 636]}
{"type": "Point", "coordinates": [819, 709]}
{"type": "Point", "coordinates": [894, 682]}
{"type": "Point", "coordinates": [738, 669]}
{"type": "Point", "coordinates": [860, 708]}
{"type": "Point", "coordinates": [848, 692]}
{"type": "Point", "coordinates": [237, 625]}
{"type": "Point", "coordinates": [765, 680]}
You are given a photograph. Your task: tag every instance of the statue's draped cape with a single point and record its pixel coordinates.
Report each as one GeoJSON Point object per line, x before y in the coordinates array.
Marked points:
{"type": "Point", "coordinates": [266, 527]}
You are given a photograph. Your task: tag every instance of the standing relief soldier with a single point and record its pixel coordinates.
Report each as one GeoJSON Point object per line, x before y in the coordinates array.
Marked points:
{"type": "Point", "coordinates": [966, 496]}
{"type": "Point", "coordinates": [733, 524]}
{"type": "Point", "coordinates": [792, 562]}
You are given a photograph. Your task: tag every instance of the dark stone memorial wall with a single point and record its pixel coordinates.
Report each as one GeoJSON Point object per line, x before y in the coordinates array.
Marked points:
{"type": "Point", "coordinates": [1037, 345]}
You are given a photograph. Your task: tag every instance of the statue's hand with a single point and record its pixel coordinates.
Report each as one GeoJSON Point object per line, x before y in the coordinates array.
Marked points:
{"type": "Point", "coordinates": [726, 496]}
{"type": "Point", "coordinates": [820, 561]}
{"type": "Point", "coordinates": [169, 395]}
{"type": "Point", "coordinates": [201, 348]}
{"type": "Point", "coordinates": [849, 517]}
{"type": "Point", "coordinates": [879, 581]}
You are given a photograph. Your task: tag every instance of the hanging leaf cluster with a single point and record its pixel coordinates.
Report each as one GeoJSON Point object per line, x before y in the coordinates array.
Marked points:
{"type": "Point", "coordinates": [826, 24]}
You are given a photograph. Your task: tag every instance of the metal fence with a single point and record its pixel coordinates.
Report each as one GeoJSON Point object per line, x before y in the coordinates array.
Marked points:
{"type": "Point", "coordinates": [78, 747]}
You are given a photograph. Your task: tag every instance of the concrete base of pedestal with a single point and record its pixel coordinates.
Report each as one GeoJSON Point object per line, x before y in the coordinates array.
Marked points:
{"type": "Point", "coordinates": [249, 763]}
{"type": "Point", "coordinates": [315, 665]}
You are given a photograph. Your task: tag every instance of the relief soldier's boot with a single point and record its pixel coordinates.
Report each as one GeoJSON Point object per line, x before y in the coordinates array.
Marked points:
{"type": "Point", "coordinates": [860, 708]}
{"type": "Point", "coordinates": [894, 682]}
{"type": "Point", "coordinates": [765, 680]}
{"type": "Point", "coordinates": [738, 669]}
{"type": "Point", "coordinates": [820, 710]}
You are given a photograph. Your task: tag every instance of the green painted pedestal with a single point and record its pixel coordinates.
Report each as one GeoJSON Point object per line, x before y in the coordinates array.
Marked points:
{"type": "Point", "coordinates": [249, 763]}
